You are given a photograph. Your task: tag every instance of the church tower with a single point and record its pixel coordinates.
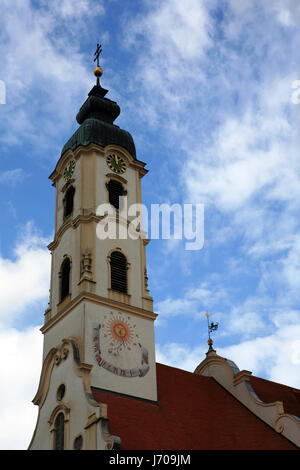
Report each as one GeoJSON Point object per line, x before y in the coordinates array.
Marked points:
{"type": "Point", "coordinates": [99, 326]}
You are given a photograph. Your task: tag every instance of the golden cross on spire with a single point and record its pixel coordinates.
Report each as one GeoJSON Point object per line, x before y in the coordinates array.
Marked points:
{"type": "Point", "coordinates": [97, 53]}
{"type": "Point", "coordinates": [98, 70]}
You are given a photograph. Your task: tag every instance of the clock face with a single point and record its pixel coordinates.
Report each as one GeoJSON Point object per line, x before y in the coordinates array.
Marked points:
{"type": "Point", "coordinates": [69, 170]}
{"type": "Point", "coordinates": [118, 348]}
{"type": "Point", "coordinates": [116, 163]}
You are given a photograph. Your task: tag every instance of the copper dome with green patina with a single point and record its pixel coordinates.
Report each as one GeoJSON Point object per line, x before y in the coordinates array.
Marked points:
{"type": "Point", "coordinates": [96, 118]}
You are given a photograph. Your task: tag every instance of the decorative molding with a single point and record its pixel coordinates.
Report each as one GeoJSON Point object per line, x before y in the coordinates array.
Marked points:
{"type": "Point", "coordinates": [70, 347]}
{"type": "Point", "coordinates": [67, 185]}
{"type": "Point", "coordinates": [86, 262]}
{"type": "Point", "coordinates": [47, 314]}
{"type": "Point", "coordinates": [54, 358]}
{"type": "Point", "coordinates": [119, 296]}
{"type": "Point", "coordinates": [110, 303]}
{"type": "Point", "coordinates": [59, 409]}
{"type": "Point", "coordinates": [103, 151]}
{"type": "Point", "coordinates": [65, 301]}
{"type": "Point", "coordinates": [112, 442]}
{"type": "Point", "coordinates": [61, 355]}
{"type": "Point", "coordinates": [66, 412]}
{"type": "Point", "coordinates": [86, 266]}
{"type": "Point", "coordinates": [116, 177]}
{"type": "Point", "coordinates": [86, 281]}
{"type": "Point", "coordinates": [74, 223]}
{"type": "Point", "coordinates": [87, 218]}
{"type": "Point", "coordinates": [237, 382]}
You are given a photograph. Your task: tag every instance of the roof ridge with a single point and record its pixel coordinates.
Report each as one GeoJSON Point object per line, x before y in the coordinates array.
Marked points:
{"type": "Point", "coordinates": [294, 389]}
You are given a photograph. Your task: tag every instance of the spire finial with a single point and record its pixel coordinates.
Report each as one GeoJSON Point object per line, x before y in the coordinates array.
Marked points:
{"type": "Point", "coordinates": [211, 327]}
{"type": "Point", "coordinates": [98, 70]}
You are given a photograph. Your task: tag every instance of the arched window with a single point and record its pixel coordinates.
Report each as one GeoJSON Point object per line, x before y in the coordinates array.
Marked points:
{"type": "Point", "coordinates": [118, 271]}
{"type": "Point", "coordinates": [115, 190]}
{"type": "Point", "coordinates": [69, 202]}
{"type": "Point", "coordinates": [59, 442]}
{"type": "Point", "coordinates": [65, 278]}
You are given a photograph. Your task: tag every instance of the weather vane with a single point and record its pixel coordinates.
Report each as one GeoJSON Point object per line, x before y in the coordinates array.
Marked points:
{"type": "Point", "coordinates": [98, 70]}
{"type": "Point", "coordinates": [211, 327]}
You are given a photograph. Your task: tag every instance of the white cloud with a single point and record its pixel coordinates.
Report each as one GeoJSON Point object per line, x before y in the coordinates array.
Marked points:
{"type": "Point", "coordinates": [43, 68]}
{"type": "Point", "coordinates": [253, 154]}
{"type": "Point", "coordinates": [174, 37]}
{"type": "Point", "coordinates": [24, 287]}
{"type": "Point", "coordinates": [20, 368]}
{"type": "Point", "coordinates": [12, 177]}
{"type": "Point", "coordinates": [250, 173]}
{"type": "Point", "coordinates": [168, 23]}
{"type": "Point", "coordinates": [287, 12]}
{"type": "Point", "coordinates": [71, 10]}
{"type": "Point", "coordinates": [180, 355]}
{"type": "Point", "coordinates": [193, 304]}
{"type": "Point", "coordinates": [25, 279]}
{"type": "Point", "coordinates": [275, 357]}
{"type": "Point", "coordinates": [247, 164]}
{"type": "Point", "coordinates": [237, 133]}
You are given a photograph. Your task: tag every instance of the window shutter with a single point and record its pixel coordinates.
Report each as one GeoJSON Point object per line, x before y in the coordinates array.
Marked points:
{"type": "Point", "coordinates": [65, 278]}
{"type": "Point", "coordinates": [115, 190]}
{"type": "Point", "coordinates": [118, 265]}
{"type": "Point", "coordinates": [69, 202]}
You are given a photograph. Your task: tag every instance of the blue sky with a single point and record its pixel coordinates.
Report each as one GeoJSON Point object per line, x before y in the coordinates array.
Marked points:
{"type": "Point", "coordinates": [206, 90]}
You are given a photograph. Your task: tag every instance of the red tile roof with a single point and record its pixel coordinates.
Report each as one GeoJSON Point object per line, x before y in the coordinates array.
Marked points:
{"type": "Point", "coordinates": [193, 412]}
{"type": "Point", "coordinates": [269, 392]}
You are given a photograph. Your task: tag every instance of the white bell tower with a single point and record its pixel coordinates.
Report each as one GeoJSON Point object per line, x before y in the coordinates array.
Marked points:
{"type": "Point", "coordinates": [100, 314]}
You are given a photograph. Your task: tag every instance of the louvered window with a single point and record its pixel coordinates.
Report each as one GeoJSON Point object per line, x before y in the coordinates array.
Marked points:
{"type": "Point", "coordinates": [59, 432]}
{"type": "Point", "coordinates": [115, 190]}
{"type": "Point", "coordinates": [65, 278]}
{"type": "Point", "coordinates": [69, 202]}
{"type": "Point", "coordinates": [118, 265]}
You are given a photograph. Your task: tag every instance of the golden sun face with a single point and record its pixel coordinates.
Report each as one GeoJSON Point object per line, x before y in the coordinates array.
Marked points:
{"type": "Point", "coordinates": [120, 331]}
{"type": "Point", "coordinates": [119, 334]}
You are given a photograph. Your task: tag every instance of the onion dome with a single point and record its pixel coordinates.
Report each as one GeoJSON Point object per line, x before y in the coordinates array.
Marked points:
{"type": "Point", "coordinates": [96, 118]}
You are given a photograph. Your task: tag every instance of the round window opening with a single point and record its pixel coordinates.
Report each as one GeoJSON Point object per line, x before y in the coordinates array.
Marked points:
{"type": "Point", "coordinates": [60, 392]}
{"type": "Point", "coordinates": [78, 441]}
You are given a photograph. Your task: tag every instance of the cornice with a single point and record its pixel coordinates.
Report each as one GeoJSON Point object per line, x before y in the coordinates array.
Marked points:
{"type": "Point", "coordinates": [85, 219]}
{"type": "Point", "coordinates": [97, 299]}
{"type": "Point", "coordinates": [58, 171]}
{"type": "Point", "coordinates": [73, 223]}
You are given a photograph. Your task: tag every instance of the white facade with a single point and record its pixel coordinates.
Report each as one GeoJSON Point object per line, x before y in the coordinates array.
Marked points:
{"type": "Point", "coordinates": [95, 336]}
